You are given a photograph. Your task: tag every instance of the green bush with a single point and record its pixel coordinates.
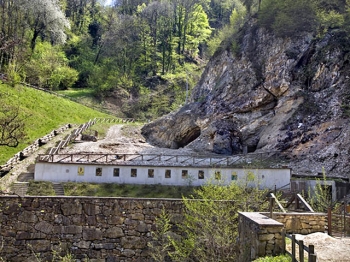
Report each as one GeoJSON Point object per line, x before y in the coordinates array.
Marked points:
{"type": "Point", "coordinates": [281, 258]}
{"type": "Point", "coordinates": [49, 68]}
{"type": "Point", "coordinates": [288, 18]}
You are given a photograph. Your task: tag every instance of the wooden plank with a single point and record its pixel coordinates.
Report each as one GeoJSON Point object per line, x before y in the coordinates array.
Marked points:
{"type": "Point", "coordinates": [278, 203]}
{"type": "Point", "coordinates": [305, 203]}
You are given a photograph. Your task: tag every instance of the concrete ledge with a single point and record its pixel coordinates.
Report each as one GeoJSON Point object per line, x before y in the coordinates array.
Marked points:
{"type": "Point", "coordinates": [261, 219]}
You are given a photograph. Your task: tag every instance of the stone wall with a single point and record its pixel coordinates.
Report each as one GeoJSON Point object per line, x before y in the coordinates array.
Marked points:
{"type": "Point", "coordinates": [91, 229]}
{"type": "Point", "coordinates": [302, 223]}
{"type": "Point", "coordinates": [259, 236]}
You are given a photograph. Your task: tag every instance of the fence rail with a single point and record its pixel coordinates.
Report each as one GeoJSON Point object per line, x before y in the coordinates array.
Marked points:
{"type": "Point", "coordinates": [143, 159]}
{"type": "Point", "coordinates": [312, 257]}
{"type": "Point", "coordinates": [61, 144]}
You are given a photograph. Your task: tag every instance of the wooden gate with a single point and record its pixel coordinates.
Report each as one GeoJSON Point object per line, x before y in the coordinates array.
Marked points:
{"type": "Point", "coordinates": [339, 221]}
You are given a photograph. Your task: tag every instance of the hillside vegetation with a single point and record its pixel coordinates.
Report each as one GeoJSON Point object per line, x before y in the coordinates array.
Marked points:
{"type": "Point", "coordinates": [41, 113]}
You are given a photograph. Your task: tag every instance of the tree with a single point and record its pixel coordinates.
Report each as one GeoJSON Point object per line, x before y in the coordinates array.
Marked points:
{"type": "Point", "coordinates": [288, 18]}
{"type": "Point", "coordinates": [320, 197]}
{"type": "Point", "coordinates": [45, 18]}
{"type": "Point", "coordinates": [210, 227]}
{"type": "Point", "coordinates": [48, 67]}
{"type": "Point", "coordinates": [11, 124]}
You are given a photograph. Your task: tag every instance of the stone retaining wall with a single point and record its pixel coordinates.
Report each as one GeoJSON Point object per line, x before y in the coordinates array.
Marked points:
{"type": "Point", "coordinates": [259, 236]}
{"type": "Point", "coordinates": [302, 223]}
{"type": "Point", "coordinates": [91, 229]}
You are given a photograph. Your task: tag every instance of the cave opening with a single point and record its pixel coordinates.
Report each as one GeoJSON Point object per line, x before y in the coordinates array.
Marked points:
{"type": "Point", "coordinates": [251, 148]}
{"type": "Point", "coordinates": [187, 138]}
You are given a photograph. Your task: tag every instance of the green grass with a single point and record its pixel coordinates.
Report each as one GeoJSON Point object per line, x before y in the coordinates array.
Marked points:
{"type": "Point", "coordinates": [43, 112]}
{"type": "Point", "coordinates": [40, 188]}
{"type": "Point", "coordinates": [78, 93]}
{"type": "Point", "coordinates": [124, 190]}
{"type": "Point", "coordinates": [281, 258]}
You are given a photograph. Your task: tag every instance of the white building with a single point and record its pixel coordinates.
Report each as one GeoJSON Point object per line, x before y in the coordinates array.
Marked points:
{"type": "Point", "coordinates": [148, 169]}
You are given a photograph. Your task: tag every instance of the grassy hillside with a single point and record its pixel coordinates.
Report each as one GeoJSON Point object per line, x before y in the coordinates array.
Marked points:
{"type": "Point", "coordinates": [42, 113]}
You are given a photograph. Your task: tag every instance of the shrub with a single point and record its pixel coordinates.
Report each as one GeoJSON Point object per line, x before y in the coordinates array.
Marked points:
{"type": "Point", "coordinates": [288, 18]}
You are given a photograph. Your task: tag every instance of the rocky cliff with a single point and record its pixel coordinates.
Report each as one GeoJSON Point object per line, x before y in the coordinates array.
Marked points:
{"type": "Point", "coordinates": [264, 93]}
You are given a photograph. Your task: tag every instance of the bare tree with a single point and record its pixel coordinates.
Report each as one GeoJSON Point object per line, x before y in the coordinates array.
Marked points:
{"type": "Point", "coordinates": [11, 124]}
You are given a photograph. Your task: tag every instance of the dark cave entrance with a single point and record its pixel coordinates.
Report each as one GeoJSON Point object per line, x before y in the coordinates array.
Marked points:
{"type": "Point", "coordinates": [187, 138]}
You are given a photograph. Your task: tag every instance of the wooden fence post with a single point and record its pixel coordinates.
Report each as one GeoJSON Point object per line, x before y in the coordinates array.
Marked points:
{"type": "Point", "coordinates": [283, 241]}
{"type": "Point", "coordinates": [272, 203]}
{"type": "Point", "coordinates": [312, 255]}
{"type": "Point", "coordinates": [329, 220]}
{"type": "Point", "coordinates": [293, 249]}
{"type": "Point", "coordinates": [301, 251]}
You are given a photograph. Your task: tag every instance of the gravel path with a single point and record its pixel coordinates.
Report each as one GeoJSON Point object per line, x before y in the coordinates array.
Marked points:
{"type": "Point", "coordinates": [123, 139]}
{"type": "Point", "coordinates": [327, 248]}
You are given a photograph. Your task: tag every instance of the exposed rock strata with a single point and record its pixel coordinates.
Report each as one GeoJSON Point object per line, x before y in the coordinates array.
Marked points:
{"type": "Point", "coordinates": [272, 94]}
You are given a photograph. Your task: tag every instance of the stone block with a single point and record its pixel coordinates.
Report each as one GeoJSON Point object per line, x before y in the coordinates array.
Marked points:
{"type": "Point", "coordinates": [59, 219]}
{"type": "Point", "coordinates": [142, 227]}
{"type": "Point", "coordinates": [40, 245]}
{"type": "Point", "coordinates": [91, 220]}
{"type": "Point", "coordinates": [133, 233]}
{"type": "Point", "coordinates": [71, 208]}
{"type": "Point", "coordinates": [104, 246]}
{"type": "Point", "coordinates": [114, 232]}
{"type": "Point", "coordinates": [71, 229]}
{"type": "Point", "coordinates": [128, 252]}
{"type": "Point", "coordinates": [137, 216]}
{"type": "Point", "coordinates": [132, 242]}
{"type": "Point", "coordinates": [29, 235]}
{"type": "Point", "coordinates": [92, 234]}
{"type": "Point", "coordinates": [116, 220]}
{"type": "Point", "coordinates": [266, 237]}
{"type": "Point", "coordinates": [44, 227]}
{"type": "Point", "coordinates": [27, 217]}
{"type": "Point", "coordinates": [82, 244]}
{"type": "Point", "coordinates": [90, 209]}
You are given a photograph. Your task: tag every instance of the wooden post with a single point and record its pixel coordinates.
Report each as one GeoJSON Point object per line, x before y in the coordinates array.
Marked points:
{"type": "Point", "coordinates": [283, 241]}
{"type": "Point", "coordinates": [312, 256]}
{"type": "Point", "coordinates": [301, 251]}
{"type": "Point", "coordinates": [293, 249]}
{"type": "Point", "coordinates": [344, 222]}
{"type": "Point", "coordinates": [329, 220]}
{"type": "Point", "coordinates": [272, 202]}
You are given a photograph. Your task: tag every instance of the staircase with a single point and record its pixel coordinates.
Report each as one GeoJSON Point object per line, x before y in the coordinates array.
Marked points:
{"type": "Point", "coordinates": [25, 177]}
{"type": "Point", "coordinates": [20, 188]}
{"type": "Point", "coordinates": [58, 189]}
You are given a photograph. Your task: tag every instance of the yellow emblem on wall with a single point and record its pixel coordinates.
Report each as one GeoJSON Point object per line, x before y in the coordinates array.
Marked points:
{"type": "Point", "coordinates": [80, 171]}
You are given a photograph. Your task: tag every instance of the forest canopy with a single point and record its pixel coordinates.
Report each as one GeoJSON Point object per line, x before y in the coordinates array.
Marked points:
{"type": "Point", "coordinates": [147, 52]}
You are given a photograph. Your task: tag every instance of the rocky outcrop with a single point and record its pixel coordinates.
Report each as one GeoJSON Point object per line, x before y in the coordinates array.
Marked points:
{"type": "Point", "coordinates": [272, 94]}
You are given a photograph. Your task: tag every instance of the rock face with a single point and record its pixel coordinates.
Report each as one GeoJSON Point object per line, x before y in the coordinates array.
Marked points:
{"type": "Point", "coordinates": [273, 94]}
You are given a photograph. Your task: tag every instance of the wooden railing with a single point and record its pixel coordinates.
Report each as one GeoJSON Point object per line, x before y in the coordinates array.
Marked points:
{"type": "Point", "coordinates": [300, 203]}
{"type": "Point", "coordinates": [63, 143]}
{"type": "Point", "coordinates": [312, 257]}
{"type": "Point", "coordinates": [216, 161]}
{"type": "Point", "coordinates": [31, 148]}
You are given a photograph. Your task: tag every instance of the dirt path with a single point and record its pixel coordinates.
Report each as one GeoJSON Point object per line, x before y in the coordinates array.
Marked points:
{"type": "Point", "coordinates": [123, 139]}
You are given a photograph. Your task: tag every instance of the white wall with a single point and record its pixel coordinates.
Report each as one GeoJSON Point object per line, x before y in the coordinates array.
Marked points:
{"type": "Point", "coordinates": [312, 184]}
{"type": "Point", "coordinates": [59, 172]}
